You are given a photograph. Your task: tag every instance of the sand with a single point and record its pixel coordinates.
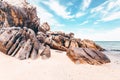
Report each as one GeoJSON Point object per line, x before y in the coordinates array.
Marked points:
{"type": "Point", "coordinates": [58, 67]}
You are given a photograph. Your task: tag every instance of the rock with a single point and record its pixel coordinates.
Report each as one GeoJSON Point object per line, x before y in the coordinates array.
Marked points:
{"type": "Point", "coordinates": [18, 16]}
{"type": "Point", "coordinates": [25, 52]}
{"type": "Point", "coordinates": [21, 43]}
{"type": "Point", "coordinates": [46, 53]}
{"type": "Point", "coordinates": [90, 44]}
{"type": "Point", "coordinates": [41, 49]}
{"type": "Point", "coordinates": [58, 46]}
{"type": "Point", "coordinates": [87, 55]}
{"type": "Point", "coordinates": [34, 54]}
{"type": "Point", "coordinates": [14, 53]}
{"type": "Point", "coordinates": [73, 43]}
{"type": "Point", "coordinates": [44, 27]}
{"type": "Point", "coordinates": [67, 43]}
{"type": "Point", "coordinates": [13, 47]}
{"type": "Point", "coordinates": [70, 35]}
{"type": "Point", "coordinates": [79, 42]}
{"type": "Point", "coordinates": [57, 38]}
{"type": "Point", "coordinates": [56, 33]}
{"type": "Point", "coordinates": [41, 37]}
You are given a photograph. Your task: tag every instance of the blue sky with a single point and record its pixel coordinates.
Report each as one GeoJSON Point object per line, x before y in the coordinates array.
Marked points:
{"type": "Point", "coordinates": [90, 19]}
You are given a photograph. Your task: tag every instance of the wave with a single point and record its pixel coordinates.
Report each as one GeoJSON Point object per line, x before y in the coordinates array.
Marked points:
{"type": "Point", "coordinates": [115, 50]}
{"type": "Point", "coordinates": [118, 50]}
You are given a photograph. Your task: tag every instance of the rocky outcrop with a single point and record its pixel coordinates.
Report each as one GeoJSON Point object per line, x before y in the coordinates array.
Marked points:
{"type": "Point", "coordinates": [22, 43]}
{"type": "Point", "coordinates": [11, 15]}
{"type": "Point", "coordinates": [91, 44]}
{"type": "Point", "coordinates": [22, 36]}
{"type": "Point", "coordinates": [61, 41]}
{"type": "Point", "coordinates": [87, 55]}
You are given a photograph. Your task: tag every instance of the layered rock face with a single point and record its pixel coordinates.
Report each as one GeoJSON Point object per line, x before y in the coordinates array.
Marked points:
{"type": "Point", "coordinates": [87, 55]}
{"type": "Point", "coordinates": [18, 16]}
{"type": "Point", "coordinates": [22, 43]}
{"type": "Point", "coordinates": [22, 36]}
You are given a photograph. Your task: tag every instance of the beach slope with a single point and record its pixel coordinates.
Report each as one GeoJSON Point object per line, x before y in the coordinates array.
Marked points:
{"type": "Point", "coordinates": [58, 67]}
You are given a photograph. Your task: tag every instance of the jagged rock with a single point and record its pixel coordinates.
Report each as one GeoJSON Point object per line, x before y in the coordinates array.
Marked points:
{"type": "Point", "coordinates": [73, 43]}
{"type": "Point", "coordinates": [18, 16]}
{"type": "Point", "coordinates": [56, 33]}
{"type": "Point", "coordinates": [44, 27]}
{"type": "Point", "coordinates": [46, 53]}
{"type": "Point", "coordinates": [61, 41]}
{"type": "Point", "coordinates": [57, 38]}
{"type": "Point", "coordinates": [70, 35]}
{"type": "Point", "coordinates": [67, 43]}
{"type": "Point", "coordinates": [57, 46]}
{"type": "Point", "coordinates": [20, 42]}
{"type": "Point", "coordinates": [87, 55]}
{"type": "Point", "coordinates": [41, 37]}
{"type": "Point", "coordinates": [90, 44]}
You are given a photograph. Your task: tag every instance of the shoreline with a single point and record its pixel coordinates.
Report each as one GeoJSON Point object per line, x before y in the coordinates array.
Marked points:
{"type": "Point", "coordinates": [57, 67]}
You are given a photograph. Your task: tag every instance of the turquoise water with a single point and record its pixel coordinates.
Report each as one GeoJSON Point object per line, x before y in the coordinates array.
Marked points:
{"type": "Point", "coordinates": [113, 46]}
{"type": "Point", "coordinates": [109, 45]}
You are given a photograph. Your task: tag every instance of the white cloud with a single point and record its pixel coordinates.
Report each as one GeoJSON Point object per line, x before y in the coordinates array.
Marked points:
{"type": "Point", "coordinates": [85, 22]}
{"type": "Point", "coordinates": [95, 22]}
{"type": "Point", "coordinates": [97, 35]}
{"type": "Point", "coordinates": [85, 4]}
{"type": "Point", "coordinates": [97, 9]}
{"type": "Point", "coordinates": [107, 11]}
{"type": "Point", "coordinates": [79, 14]}
{"type": "Point", "coordinates": [45, 16]}
{"type": "Point", "coordinates": [58, 9]}
{"type": "Point", "coordinates": [112, 16]}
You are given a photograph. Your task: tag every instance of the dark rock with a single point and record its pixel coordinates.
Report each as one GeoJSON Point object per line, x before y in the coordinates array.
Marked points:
{"type": "Point", "coordinates": [41, 37]}
{"type": "Point", "coordinates": [87, 55]}
{"type": "Point", "coordinates": [90, 44]}
{"type": "Point", "coordinates": [19, 42]}
{"type": "Point", "coordinates": [34, 54]}
{"type": "Point", "coordinates": [25, 52]}
{"type": "Point", "coordinates": [44, 27]}
{"type": "Point", "coordinates": [46, 53]}
{"type": "Point", "coordinates": [73, 43]}
{"type": "Point", "coordinates": [18, 16]}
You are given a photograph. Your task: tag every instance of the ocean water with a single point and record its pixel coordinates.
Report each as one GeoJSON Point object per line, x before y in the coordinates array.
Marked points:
{"type": "Point", "coordinates": [110, 46]}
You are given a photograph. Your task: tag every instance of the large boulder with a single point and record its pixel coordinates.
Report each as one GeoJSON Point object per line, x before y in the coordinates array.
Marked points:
{"type": "Point", "coordinates": [91, 44]}
{"type": "Point", "coordinates": [87, 55]}
{"type": "Point", "coordinates": [44, 27]}
{"type": "Point", "coordinates": [22, 16]}
{"type": "Point", "coordinates": [21, 43]}
{"type": "Point", "coordinates": [45, 54]}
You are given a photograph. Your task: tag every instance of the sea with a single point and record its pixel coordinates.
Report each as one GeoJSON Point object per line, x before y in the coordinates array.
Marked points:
{"type": "Point", "coordinates": [112, 47]}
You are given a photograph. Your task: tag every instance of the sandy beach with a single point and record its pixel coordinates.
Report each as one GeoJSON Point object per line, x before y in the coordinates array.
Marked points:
{"type": "Point", "coordinates": [36, 22]}
{"type": "Point", "coordinates": [58, 67]}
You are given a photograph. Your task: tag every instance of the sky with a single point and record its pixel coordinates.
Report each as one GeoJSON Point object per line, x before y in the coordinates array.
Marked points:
{"type": "Point", "coordinates": [97, 20]}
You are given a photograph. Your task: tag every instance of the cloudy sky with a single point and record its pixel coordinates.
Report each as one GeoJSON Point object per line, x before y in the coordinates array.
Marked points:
{"type": "Point", "coordinates": [90, 19]}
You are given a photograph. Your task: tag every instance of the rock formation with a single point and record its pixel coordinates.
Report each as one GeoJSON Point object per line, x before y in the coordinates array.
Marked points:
{"type": "Point", "coordinates": [87, 55]}
{"type": "Point", "coordinates": [22, 36]}
{"type": "Point", "coordinates": [22, 43]}
{"type": "Point", "coordinates": [18, 16]}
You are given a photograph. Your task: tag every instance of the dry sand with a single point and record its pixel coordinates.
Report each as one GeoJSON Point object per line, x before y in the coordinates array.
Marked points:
{"type": "Point", "coordinates": [58, 67]}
